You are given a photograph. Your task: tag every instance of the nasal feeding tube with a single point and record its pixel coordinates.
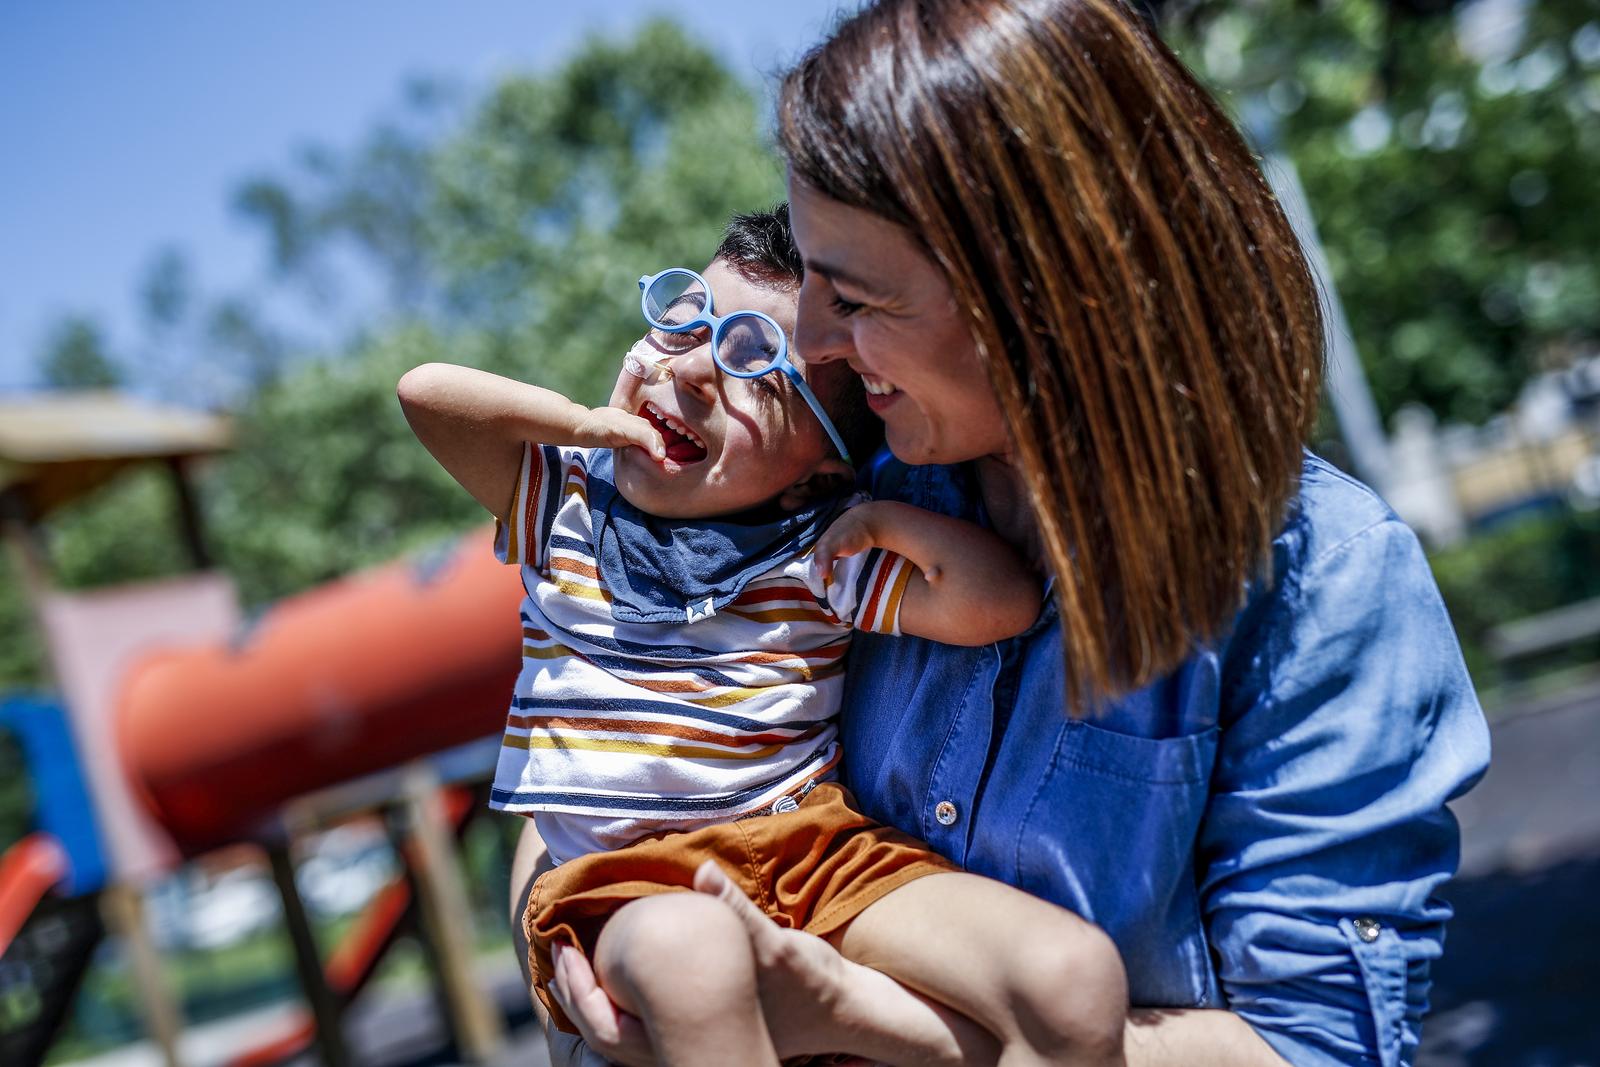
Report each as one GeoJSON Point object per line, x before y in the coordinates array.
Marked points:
{"type": "Point", "coordinates": [642, 361]}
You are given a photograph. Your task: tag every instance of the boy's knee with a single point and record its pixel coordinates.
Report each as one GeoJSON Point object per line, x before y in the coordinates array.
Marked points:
{"type": "Point", "coordinates": [1068, 991]}
{"type": "Point", "coordinates": [679, 947]}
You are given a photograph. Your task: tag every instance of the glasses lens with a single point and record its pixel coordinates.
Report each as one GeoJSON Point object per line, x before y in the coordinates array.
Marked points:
{"type": "Point", "coordinates": [675, 298]}
{"type": "Point", "coordinates": [750, 345]}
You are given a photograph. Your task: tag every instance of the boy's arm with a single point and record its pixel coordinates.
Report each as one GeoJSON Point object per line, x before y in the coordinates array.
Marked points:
{"type": "Point", "coordinates": [474, 423]}
{"type": "Point", "coordinates": [969, 587]}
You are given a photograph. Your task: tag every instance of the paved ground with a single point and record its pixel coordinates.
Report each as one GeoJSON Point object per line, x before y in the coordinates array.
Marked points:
{"type": "Point", "coordinates": [1518, 987]}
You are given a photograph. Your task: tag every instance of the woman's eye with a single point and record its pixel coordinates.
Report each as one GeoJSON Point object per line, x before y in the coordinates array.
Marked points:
{"type": "Point", "coordinates": [845, 308]}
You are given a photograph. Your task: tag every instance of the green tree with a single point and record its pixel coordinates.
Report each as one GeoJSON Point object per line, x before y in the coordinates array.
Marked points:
{"type": "Point", "coordinates": [75, 356]}
{"type": "Point", "coordinates": [1452, 187]}
{"type": "Point", "coordinates": [508, 235]}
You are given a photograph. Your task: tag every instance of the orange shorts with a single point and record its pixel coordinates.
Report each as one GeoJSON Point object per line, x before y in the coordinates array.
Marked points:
{"type": "Point", "coordinates": [814, 869]}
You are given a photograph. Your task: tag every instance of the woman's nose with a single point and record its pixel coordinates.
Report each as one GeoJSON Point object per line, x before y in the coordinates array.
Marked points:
{"type": "Point", "coordinates": [820, 336]}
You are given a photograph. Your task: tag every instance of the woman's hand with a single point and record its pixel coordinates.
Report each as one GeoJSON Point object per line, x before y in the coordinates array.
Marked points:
{"type": "Point", "coordinates": [801, 977]}
{"type": "Point", "coordinates": [801, 982]}
{"type": "Point", "coordinates": [610, 1035]}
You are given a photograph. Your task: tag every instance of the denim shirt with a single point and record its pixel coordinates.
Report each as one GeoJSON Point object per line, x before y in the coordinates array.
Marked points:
{"type": "Point", "coordinates": [1262, 830]}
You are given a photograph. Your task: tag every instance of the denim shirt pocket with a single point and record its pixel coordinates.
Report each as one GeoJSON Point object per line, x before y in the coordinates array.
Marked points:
{"type": "Point", "coordinates": [1110, 833]}
{"type": "Point", "coordinates": [1384, 972]}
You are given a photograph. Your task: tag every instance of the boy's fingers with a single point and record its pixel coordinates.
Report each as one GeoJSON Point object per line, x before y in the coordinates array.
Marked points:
{"type": "Point", "coordinates": [648, 438]}
{"type": "Point", "coordinates": [630, 429]}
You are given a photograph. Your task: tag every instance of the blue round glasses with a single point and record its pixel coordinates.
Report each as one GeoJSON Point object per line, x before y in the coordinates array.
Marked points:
{"type": "Point", "coordinates": [745, 344]}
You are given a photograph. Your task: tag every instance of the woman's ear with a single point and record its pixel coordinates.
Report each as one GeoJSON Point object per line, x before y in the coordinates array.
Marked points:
{"type": "Point", "coordinates": [831, 477]}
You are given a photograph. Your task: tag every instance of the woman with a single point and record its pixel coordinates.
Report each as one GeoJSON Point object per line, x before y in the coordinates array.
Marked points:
{"type": "Point", "coordinates": [1084, 320]}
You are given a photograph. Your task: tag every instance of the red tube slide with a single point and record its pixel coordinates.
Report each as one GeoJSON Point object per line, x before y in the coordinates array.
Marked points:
{"type": "Point", "coordinates": [28, 870]}
{"type": "Point", "coordinates": [341, 681]}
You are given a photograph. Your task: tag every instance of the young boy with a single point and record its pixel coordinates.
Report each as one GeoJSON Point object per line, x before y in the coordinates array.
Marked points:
{"type": "Point", "coordinates": [695, 563]}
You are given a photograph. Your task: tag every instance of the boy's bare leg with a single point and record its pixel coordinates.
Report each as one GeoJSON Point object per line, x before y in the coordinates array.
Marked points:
{"type": "Point", "coordinates": [817, 1002]}
{"type": "Point", "coordinates": [1047, 984]}
{"type": "Point", "coordinates": [683, 963]}
{"type": "Point", "coordinates": [530, 860]}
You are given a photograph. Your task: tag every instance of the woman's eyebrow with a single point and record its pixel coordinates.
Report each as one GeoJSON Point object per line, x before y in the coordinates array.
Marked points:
{"type": "Point", "coordinates": [839, 274]}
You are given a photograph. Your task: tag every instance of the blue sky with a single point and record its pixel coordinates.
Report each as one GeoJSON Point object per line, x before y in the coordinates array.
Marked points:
{"type": "Point", "coordinates": [124, 127]}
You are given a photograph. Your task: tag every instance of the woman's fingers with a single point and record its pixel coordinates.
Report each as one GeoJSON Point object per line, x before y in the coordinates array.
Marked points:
{"type": "Point", "coordinates": [606, 1029]}
{"type": "Point", "coordinates": [582, 998]}
{"type": "Point", "coordinates": [710, 879]}
{"type": "Point", "coordinates": [799, 974]}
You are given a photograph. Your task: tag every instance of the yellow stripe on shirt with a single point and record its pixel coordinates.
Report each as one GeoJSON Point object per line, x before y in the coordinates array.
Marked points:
{"type": "Point", "coordinates": [630, 747]}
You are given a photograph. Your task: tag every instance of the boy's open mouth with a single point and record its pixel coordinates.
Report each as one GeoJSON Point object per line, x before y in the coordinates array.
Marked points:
{"type": "Point", "coordinates": [682, 444]}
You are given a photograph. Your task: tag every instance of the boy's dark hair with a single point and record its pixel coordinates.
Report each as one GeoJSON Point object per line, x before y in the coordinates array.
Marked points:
{"type": "Point", "coordinates": [760, 246]}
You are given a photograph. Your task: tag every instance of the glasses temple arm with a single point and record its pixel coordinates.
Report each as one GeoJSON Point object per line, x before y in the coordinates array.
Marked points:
{"type": "Point", "coordinates": [816, 406]}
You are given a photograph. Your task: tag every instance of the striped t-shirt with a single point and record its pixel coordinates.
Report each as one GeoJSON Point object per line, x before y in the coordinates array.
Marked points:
{"type": "Point", "coordinates": [620, 729]}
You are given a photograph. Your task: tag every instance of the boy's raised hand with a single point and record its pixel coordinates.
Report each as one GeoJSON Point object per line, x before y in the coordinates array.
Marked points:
{"type": "Point", "coordinates": [850, 534]}
{"type": "Point", "coordinates": [616, 428]}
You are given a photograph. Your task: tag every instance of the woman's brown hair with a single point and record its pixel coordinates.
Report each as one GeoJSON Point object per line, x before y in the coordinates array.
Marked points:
{"type": "Point", "coordinates": [1146, 317]}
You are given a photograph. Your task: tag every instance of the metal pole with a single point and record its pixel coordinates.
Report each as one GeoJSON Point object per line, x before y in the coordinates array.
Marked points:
{"type": "Point", "coordinates": [1347, 387]}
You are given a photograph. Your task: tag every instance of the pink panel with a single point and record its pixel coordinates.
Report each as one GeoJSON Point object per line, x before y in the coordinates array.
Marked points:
{"type": "Point", "coordinates": [93, 638]}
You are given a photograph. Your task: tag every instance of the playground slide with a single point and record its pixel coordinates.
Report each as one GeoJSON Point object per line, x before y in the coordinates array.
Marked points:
{"type": "Point", "coordinates": [46, 943]}
{"type": "Point", "coordinates": [28, 870]}
{"type": "Point", "coordinates": [49, 887]}
{"type": "Point", "coordinates": [353, 677]}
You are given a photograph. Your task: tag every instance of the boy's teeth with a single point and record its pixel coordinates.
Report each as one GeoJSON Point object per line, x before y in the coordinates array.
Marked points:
{"type": "Point", "coordinates": [676, 425]}
{"type": "Point", "coordinates": [877, 386]}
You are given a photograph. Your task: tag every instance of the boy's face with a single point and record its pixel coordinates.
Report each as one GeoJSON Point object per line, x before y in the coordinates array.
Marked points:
{"type": "Point", "coordinates": [749, 440]}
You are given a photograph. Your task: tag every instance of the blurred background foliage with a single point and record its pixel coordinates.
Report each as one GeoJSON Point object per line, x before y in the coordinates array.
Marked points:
{"type": "Point", "coordinates": [506, 232]}
{"type": "Point", "coordinates": [1450, 163]}
{"type": "Point", "coordinates": [1450, 167]}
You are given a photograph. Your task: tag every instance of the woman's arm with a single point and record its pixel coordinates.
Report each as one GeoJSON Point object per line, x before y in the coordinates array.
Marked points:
{"type": "Point", "coordinates": [1194, 1037]}
{"type": "Point", "coordinates": [969, 588]}
{"type": "Point", "coordinates": [1348, 721]}
{"type": "Point", "coordinates": [475, 423]}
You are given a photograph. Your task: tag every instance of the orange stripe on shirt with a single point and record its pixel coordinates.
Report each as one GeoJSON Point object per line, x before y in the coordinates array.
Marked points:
{"type": "Point", "coordinates": [509, 526]}
{"type": "Point", "coordinates": [629, 746]}
{"type": "Point", "coordinates": [864, 615]}
{"type": "Point", "coordinates": [781, 615]}
{"type": "Point", "coordinates": [659, 729]}
{"type": "Point", "coordinates": [889, 621]}
{"type": "Point", "coordinates": [574, 566]}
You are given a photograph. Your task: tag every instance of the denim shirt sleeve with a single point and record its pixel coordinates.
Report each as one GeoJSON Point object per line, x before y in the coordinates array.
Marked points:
{"type": "Point", "coordinates": [1348, 721]}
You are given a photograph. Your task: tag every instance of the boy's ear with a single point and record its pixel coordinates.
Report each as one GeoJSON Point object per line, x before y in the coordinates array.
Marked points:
{"type": "Point", "coordinates": [829, 478]}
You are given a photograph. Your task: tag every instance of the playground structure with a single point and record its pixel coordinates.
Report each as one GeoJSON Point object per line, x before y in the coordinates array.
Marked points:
{"type": "Point", "coordinates": [180, 729]}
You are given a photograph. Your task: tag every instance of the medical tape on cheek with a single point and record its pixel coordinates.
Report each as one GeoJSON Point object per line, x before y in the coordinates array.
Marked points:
{"type": "Point", "coordinates": [643, 362]}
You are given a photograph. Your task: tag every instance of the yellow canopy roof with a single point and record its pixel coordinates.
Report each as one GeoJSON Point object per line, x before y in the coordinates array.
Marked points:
{"type": "Point", "coordinates": [56, 446]}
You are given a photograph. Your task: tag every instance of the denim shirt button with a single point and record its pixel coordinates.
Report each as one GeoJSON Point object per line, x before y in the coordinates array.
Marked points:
{"type": "Point", "coordinates": [945, 812]}
{"type": "Point", "coordinates": [1367, 929]}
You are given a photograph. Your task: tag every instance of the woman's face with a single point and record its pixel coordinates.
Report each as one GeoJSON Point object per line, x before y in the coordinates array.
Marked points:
{"type": "Point", "coordinates": [873, 298]}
